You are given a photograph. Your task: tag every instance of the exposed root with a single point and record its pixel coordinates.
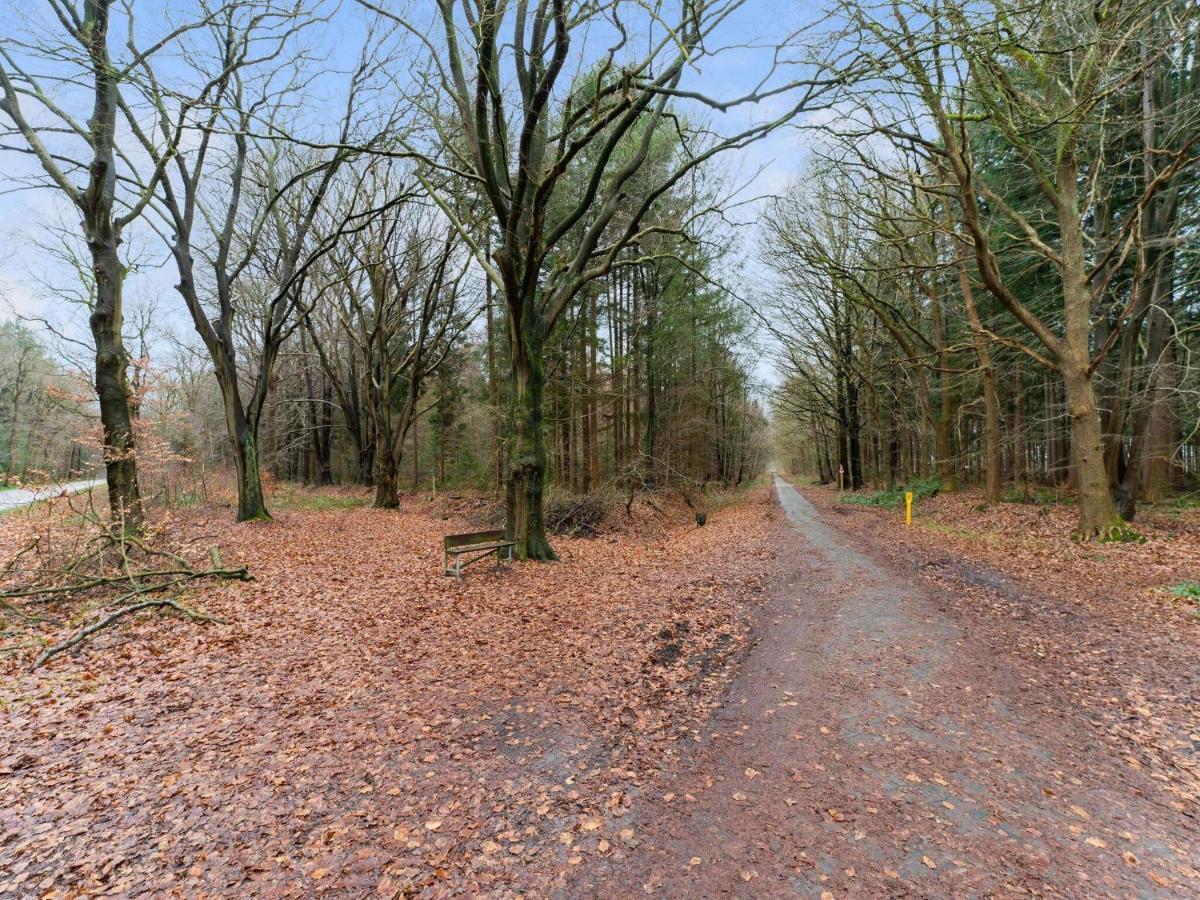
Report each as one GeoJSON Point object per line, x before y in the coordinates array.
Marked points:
{"type": "Point", "coordinates": [1120, 533]}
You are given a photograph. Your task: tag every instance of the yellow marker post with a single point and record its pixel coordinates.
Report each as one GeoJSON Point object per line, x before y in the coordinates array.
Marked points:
{"type": "Point", "coordinates": [908, 507]}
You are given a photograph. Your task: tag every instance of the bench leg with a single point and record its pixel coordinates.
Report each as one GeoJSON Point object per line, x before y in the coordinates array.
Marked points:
{"type": "Point", "coordinates": [458, 567]}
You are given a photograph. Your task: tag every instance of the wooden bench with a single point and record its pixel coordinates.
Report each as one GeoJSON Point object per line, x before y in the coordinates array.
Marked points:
{"type": "Point", "coordinates": [475, 545]}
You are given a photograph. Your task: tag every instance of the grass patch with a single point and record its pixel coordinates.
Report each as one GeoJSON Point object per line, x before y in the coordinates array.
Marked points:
{"type": "Point", "coordinates": [1187, 590]}
{"type": "Point", "coordinates": [312, 501]}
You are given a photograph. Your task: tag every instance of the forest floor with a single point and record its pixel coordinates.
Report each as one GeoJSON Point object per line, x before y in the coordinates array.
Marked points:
{"type": "Point", "coordinates": [925, 725]}
{"type": "Point", "coordinates": [822, 704]}
{"type": "Point", "coordinates": [365, 725]}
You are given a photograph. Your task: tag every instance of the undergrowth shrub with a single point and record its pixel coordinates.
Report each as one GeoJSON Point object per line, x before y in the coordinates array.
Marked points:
{"type": "Point", "coordinates": [1187, 590]}
{"type": "Point", "coordinates": [922, 489]}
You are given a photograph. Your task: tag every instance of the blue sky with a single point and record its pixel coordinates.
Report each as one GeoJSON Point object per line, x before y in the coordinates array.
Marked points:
{"type": "Point", "coordinates": [29, 278]}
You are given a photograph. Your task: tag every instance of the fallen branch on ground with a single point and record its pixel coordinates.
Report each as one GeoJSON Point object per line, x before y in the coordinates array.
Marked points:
{"type": "Point", "coordinates": [112, 572]}
{"type": "Point", "coordinates": [86, 632]}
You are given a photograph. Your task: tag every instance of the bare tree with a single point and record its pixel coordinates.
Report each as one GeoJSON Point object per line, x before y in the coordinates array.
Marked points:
{"type": "Point", "coordinates": [113, 195]}
{"type": "Point", "coordinates": [252, 201]}
{"type": "Point", "coordinates": [400, 303]}
{"type": "Point", "coordinates": [597, 119]}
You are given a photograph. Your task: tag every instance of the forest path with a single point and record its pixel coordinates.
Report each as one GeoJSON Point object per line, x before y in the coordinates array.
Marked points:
{"type": "Point", "coordinates": [873, 746]}
{"type": "Point", "coordinates": [19, 497]}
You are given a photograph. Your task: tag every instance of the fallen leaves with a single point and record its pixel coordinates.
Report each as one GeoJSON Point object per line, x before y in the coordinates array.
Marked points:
{"type": "Point", "coordinates": [1097, 619]}
{"type": "Point", "coordinates": [365, 721]}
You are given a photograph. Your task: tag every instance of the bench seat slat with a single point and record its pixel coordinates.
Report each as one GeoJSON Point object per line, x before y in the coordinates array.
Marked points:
{"type": "Point", "coordinates": [481, 544]}
{"type": "Point", "coordinates": [468, 548]}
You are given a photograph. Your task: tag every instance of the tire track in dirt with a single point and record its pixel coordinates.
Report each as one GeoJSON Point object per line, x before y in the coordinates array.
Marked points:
{"type": "Point", "coordinates": [871, 748]}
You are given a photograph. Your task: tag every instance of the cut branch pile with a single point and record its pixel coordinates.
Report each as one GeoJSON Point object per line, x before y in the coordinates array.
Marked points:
{"type": "Point", "coordinates": [92, 575]}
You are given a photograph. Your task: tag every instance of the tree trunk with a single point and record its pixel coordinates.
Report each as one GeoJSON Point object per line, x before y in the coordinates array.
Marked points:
{"type": "Point", "coordinates": [1019, 450]}
{"type": "Point", "coordinates": [1098, 514]}
{"type": "Point", "coordinates": [991, 398]}
{"type": "Point", "coordinates": [1163, 434]}
{"type": "Point", "coordinates": [387, 477]}
{"type": "Point", "coordinates": [112, 389]}
{"type": "Point", "coordinates": [527, 467]}
{"type": "Point", "coordinates": [252, 503]}
{"type": "Point", "coordinates": [941, 425]}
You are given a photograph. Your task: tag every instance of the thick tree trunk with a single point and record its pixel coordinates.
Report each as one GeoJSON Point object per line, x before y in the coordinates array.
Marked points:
{"type": "Point", "coordinates": [1097, 513]}
{"type": "Point", "coordinates": [243, 440]}
{"type": "Point", "coordinates": [1098, 516]}
{"type": "Point", "coordinates": [387, 478]}
{"type": "Point", "coordinates": [991, 406]}
{"type": "Point", "coordinates": [527, 466]}
{"type": "Point", "coordinates": [112, 389]}
{"type": "Point", "coordinates": [252, 503]}
{"type": "Point", "coordinates": [1163, 435]}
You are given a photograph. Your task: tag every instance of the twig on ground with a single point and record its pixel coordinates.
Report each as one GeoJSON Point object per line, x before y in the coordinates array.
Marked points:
{"type": "Point", "coordinates": [87, 631]}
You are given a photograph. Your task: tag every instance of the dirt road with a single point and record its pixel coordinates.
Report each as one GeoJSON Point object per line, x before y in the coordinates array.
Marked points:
{"type": "Point", "coordinates": [18, 497]}
{"type": "Point", "coordinates": [874, 746]}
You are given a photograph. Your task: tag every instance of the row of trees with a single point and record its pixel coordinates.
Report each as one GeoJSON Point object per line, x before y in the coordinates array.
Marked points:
{"type": "Point", "coordinates": [43, 413]}
{"type": "Point", "coordinates": [990, 273]}
{"type": "Point", "coordinates": [346, 223]}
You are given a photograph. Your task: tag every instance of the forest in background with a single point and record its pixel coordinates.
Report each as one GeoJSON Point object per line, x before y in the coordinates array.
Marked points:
{"type": "Point", "coordinates": [990, 276]}
{"type": "Point", "coordinates": [375, 301]}
{"type": "Point", "coordinates": [517, 270]}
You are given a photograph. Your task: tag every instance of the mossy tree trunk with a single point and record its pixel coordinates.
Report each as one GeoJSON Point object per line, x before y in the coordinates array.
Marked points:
{"type": "Point", "coordinates": [252, 502]}
{"type": "Point", "coordinates": [525, 487]}
{"type": "Point", "coordinates": [242, 430]}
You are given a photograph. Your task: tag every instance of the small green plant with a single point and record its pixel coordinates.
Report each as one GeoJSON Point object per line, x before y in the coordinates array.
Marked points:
{"type": "Point", "coordinates": [1190, 500]}
{"type": "Point", "coordinates": [1187, 590]}
{"type": "Point", "coordinates": [922, 489]}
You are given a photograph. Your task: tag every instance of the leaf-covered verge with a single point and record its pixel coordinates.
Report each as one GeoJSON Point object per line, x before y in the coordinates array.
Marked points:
{"type": "Point", "coordinates": [1100, 622]}
{"type": "Point", "coordinates": [363, 724]}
